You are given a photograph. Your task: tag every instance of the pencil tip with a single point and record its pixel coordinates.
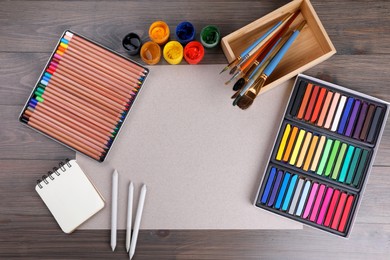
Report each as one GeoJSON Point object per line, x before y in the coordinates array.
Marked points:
{"type": "Point", "coordinates": [113, 247]}
{"type": "Point", "coordinates": [131, 254]}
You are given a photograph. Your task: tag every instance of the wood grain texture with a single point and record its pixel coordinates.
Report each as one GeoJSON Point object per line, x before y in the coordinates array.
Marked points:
{"type": "Point", "coordinates": [29, 31]}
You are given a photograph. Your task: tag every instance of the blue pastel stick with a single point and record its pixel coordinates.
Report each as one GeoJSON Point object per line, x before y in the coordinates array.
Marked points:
{"type": "Point", "coordinates": [275, 188]}
{"type": "Point", "coordinates": [282, 190]}
{"type": "Point", "coordinates": [47, 74]}
{"type": "Point", "coordinates": [344, 117]}
{"type": "Point", "coordinates": [289, 193]}
{"type": "Point", "coordinates": [268, 186]}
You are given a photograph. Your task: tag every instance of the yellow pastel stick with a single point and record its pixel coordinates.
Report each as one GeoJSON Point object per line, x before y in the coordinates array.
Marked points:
{"type": "Point", "coordinates": [297, 146]}
{"type": "Point", "coordinates": [305, 145]}
{"type": "Point", "coordinates": [290, 144]}
{"type": "Point", "coordinates": [318, 153]}
{"type": "Point", "coordinates": [283, 142]}
{"type": "Point", "coordinates": [310, 153]}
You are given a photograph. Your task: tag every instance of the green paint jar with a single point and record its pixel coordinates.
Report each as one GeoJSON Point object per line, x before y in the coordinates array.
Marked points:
{"type": "Point", "coordinates": [210, 36]}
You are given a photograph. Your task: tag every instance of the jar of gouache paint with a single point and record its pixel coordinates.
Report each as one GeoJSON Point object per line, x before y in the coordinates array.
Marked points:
{"type": "Point", "coordinates": [210, 36]}
{"type": "Point", "coordinates": [132, 43]}
{"type": "Point", "coordinates": [193, 52]}
{"type": "Point", "coordinates": [150, 53]}
{"type": "Point", "coordinates": [185, 32]}
{"type": "Point", "coordinates": [159, 32]}
{"type": "Point", "coordinates": [173, 52]}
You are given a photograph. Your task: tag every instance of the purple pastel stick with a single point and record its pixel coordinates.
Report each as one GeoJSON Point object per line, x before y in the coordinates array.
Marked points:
{"type": "Point", "coordinates": [275, 189]}
{"type": "Point", "coordinates": [352, 119]}
{"type": "Point", "coordinates": [362, 117]}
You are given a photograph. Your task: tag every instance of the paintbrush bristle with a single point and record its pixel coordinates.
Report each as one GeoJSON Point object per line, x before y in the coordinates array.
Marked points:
{"type": "Point", "coordinates": [233, 70]}
{"type": "Point", "coordinates": [245, 101]}
{"type": "Point", "coordinates": [224, 69]}
{"type": "Point", "coordinates": [234, 62]}
{"type": "Point", "coordinates": [239, 84]}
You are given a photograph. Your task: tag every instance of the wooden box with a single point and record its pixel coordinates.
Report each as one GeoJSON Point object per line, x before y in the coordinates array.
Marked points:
{"type": "Point", "coordinates": [311, 47]}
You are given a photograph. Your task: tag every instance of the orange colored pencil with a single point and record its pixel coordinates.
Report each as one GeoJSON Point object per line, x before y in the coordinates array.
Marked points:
{"type": "Point", "coordinates": [117, 78]}
{"type": "Point", "coordinates": [97, 75]}
{"type": "Point", "coordinates": [63, 138]}
{"type": "Point", "coordinates": [97, 63]}
{"type": "Point", "coordinates": [66, 130]}
{"type": "Point", "coordinates": [97, 96]}
{"type": "Point", "coordinates": [75, 117]}
{"type": "Point", "coordinates": [124, 69]}
{"type": "Point", "coordinates": [105, 89]}
{"type": "Point", "coordinates": [69, 121]}
{"type": "Point", "coordinates": [54, 88]}
{"type": "Point", "coordinates": [109, 55]}
{"type": "Point", "coordinates": [109, 126]}
{"type": "Point", "coordinates": [83, 97]}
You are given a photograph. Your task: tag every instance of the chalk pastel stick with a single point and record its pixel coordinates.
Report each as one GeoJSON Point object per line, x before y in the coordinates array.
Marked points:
{"type": "Point", "coordinates": [325, 205]}
{"type": "Point", "coordinates": [310, 201]}
{"type": "Point", "coordinates": [289, 193]}
{"type": "Point", "coordinates": [297, 193]}
{"type": "Point", "coordinates": [302, 200]}
{"type": "Point", "coordinates": [282, 190]}
{"type": "Point", "coordinates": [268, 186]}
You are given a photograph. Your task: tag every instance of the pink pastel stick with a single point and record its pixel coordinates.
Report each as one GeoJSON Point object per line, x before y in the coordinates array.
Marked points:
{"type": "Point", "coordinates": [317, 203]}
{"type": "Point", "coordinates": [325, 205]}
{"type": "Point", "coordinates": [310, 201]}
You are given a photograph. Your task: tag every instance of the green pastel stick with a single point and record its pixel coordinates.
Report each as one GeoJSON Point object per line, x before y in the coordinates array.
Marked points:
{"type": "Point", "coordinates": [354, 163]}
{"type": "Point", "coordinates": [332, 157]}
{"type": "Point", "coordinates": [324, 157]}
{"type": "Point", "coordinates": [340, 159]}
{"type": "Point", "coordinates": [360, 169]}
{"type": "Point", "coordinates": [346, 163]}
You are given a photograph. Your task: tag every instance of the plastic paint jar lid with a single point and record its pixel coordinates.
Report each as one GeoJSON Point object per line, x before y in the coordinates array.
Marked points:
{"type": "Point", "coordinates": [173, 52]}
{"type": "Point", "coordinates": [150, 53]}
{"type": "Point", "coordinates": [132, 43]}
{"type": "Point", "coordinates": [193, 52]}
{"type": "Point", "coordinates": [185, 32]}
{"type": "Point", "coordinates": [210, 36]}
{"type": "Point", "coordinates": [159, 32]}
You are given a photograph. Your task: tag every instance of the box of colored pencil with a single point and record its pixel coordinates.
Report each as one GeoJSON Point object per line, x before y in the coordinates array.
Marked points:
{"type": "Point", "coordinates": [84, 95]}
{"type": "Point", "coordinates": [323, 154]}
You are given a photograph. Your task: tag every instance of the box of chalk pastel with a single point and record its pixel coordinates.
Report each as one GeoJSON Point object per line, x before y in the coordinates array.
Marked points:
{"type": "Point", "coordinates": [83, 95]}
{"type": "Point", "coordinates": [311, 47]}
{"type": "Point", "coordinates": [322, 156]}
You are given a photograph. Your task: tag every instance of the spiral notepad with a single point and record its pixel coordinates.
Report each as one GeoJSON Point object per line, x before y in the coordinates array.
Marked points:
{"type": "Point", "coordinates": [69, 195]}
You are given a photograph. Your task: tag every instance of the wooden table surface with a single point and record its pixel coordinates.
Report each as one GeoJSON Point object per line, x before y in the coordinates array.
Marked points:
{"type": "Point", "coordinates": [28, 33]}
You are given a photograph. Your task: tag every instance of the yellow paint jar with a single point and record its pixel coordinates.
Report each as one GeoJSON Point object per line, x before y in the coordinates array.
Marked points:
{"type": "Point", "coordinates": [173, 52]}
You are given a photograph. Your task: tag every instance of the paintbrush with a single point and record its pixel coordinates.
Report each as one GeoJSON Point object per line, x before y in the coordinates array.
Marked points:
{"type": "Point", "coordinates": [244, 54]}
{"type": "Point", "coordinates": [255, 50]}
{"type": "Point", "coordinates": [255, 58]}
{"type": "Point", "coordinates": [247, 99]}
{"type": "Point", "coordinates": [260, 69]}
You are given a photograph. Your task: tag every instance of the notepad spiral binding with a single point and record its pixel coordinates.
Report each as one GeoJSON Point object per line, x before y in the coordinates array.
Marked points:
{"type": "Point", "coordinates": [61, 166]}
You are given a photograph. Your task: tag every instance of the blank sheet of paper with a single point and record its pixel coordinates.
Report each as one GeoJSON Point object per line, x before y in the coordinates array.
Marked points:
{"type": "Point", "coordinates": [201, 158]}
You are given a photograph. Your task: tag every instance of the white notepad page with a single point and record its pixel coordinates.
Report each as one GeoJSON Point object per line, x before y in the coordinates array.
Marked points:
{"type": "Point", "coordinates": [70, 196]}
